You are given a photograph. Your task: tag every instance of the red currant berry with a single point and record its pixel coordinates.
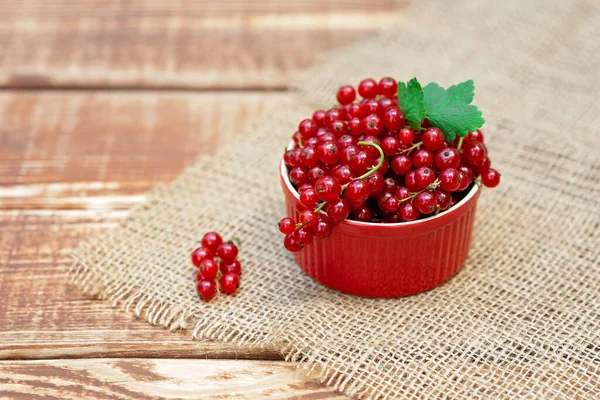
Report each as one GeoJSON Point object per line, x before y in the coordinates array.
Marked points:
{"type": "Point", "coordinates": [319, 118]}
{"type": "Point", "coordinates": [303, 236]}
{"type": "Point", "coordinates": [229, 283]}
{"type": "Point", "coordinates": [348, 154]}
{"type": "Point", "coordinates": [287, 225]}
{"type": "Point", "coordinates": [308, 198]}
{"type": "Point", "coordinates": [443, 199]}
{"type": "Point", "coordinates": [211, 241]}
{"type": "Point", "coordinates": [425, 202]}
{"type": "Point", "coordinates": [291, 244]}
{"type": "Point", "coordinates": [388, 87]}
{"type": "Point", "coordinates": [208, 269]}
{"type": "Point", "coordinates": [389, 185]}
{"type": "Point", "coordinates": [476, 136]}
{"type": "Point", "coordinates": [329, 153]}
{"type": "Point", "coordinates": [372, 107]}
{"type": "Point", "coordinates": [308, 156]}
{"type": "Point", "coordinates": [346, 95]}
{"type": "Point", "coordinates": [233, 267]}
{"type": "Point", "coordinates": [484, 166]}
{"type": "Point", "coordinates": [450, 179]}
{"type": "Point", "coordinates": [361, 162]}
{"type": "Point", "coordinates": [338, 128]}
{"type": "Point", "coordinates": [390, 145]}
{"type": "Point", "coordinates": [303, 187]}
{"type": "Point", "coordinates": [368, 88]}
{"type": "Point", "coordinates": [363, 214]}
{"type": "Point", "coordinates": [287, 158]}
{"type": "Point", "coordinates": [474, 153]}
{"type": "Point", "coordinates": [200, 254]}
{"type": "Point", "coordinates": [406, 135]}
{"type": "Point", "coordinates": [408, 212]}
{"type": "Point", "coordinates": [390, 204]}
{"type": "Point", "coordinates": [352, 110]}
{"type": "Point", "coordinates": [424, 177]}
{"type": "Point", "coordinates": [312, 142]}
{"type": "Point", "coordinates": [327, 137]}
{"type": "Point", "coordinates": [307, 128]}
{"type": "Point", "coordinates": [338, 210]}
{"type": "Point", "coordinates": [448, 157]}
{"type": "Point", "coordinates": [372, 125]}
{"type": "Point", "coordinates": [410, 181]}
{"type": "Point", "coordinates": [323, 229]}
{"type": "Point", "coordinates": [468, 172]}
{"type": "Point", "coordinates": [315, 173]}
{"type": "Point", "coordinates": [355, 126]}
{"type": "Point", "coordinates": [308, 218]}
{"type": "Point", "coordinates": [345, 141]}
{"type": "Point", "coordinates": [328, 189]}
{"type": "Point", "coordinates": [402, 193]}
{"type": "Point", "coordinates": [386, 102]}
{"type": "Point", "coordinates": [333, 114]}
{"type": "Point", "coordinates": [423, 158]}
{"type": "Point", "coordinates": [433, 139]}
{"type": "Point", "coordinates": [297, 137]}
{"type": "Point", "coordinates": [358, 190]}
{"type": "Point", "coordinates": [343, 174]}
{"type": "Point", "coordinates": [401, 164]}
{"type": "Point", "coordinates": [385, 164]}
{"type": "Point", "coordinates": [393, 118]}
{"type": "Point", "coordinates": [463, 181]}
{"type": "Point", "coordinates": [207, 289]}
{"type": "Point", "coordinates": [227, 251]}
{"type": "Point", "coordinates": [490, 178]}
{"type": "Point", "coordinates": [298, 176]}
{"type": "Point", "coordinates": [376, 183]}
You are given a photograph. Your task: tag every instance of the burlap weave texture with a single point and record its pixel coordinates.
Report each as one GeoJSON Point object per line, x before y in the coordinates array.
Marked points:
{"type": "Point", "coordinates": [520, 321]}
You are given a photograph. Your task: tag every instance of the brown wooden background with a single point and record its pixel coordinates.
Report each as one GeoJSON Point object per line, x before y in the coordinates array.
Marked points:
{"type": "Point", "coordinates": [100, 100]}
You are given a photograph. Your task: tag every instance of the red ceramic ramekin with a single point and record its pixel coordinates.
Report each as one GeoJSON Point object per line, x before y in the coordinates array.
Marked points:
{"type": "Point", "coordinates": [387, 260]}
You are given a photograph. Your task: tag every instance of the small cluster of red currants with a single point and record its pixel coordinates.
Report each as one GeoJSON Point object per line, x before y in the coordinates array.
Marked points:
{"type": "Point", "coordinates": [361, 161]}
{"type": "Point", "coordinates": [216, 260]}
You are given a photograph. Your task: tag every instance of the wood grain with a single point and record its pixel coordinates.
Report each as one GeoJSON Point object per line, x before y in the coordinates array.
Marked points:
{"type": "Point", "coordinates": [158, 378]}
{"type": "Point", "coordinates": [71, 165]}
{"type": "Point", "coordinates": [104, 150]}
{"type": "Point", "coordinates": [205, 44]}
{"type": "Point", "coordinates": [43, 316]}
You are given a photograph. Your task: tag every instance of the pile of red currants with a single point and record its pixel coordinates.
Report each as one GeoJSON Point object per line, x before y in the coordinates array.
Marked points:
{"type": "Point", "coordinates": [360, 161]}
{"type": "Point", "coordinates": [216, 261]}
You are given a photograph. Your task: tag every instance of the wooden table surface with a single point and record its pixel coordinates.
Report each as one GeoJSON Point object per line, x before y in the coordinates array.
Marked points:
{"type": "Point", "coordinates": [100, 100]}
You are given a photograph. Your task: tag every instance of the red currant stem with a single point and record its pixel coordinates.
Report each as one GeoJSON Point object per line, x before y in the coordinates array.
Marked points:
{"type": "Point", "coordinates": [478, 181]}
{"type": "Point", "coordinates": [300, 143]}
{"type": "Point", "coordinates": [411, 148]}
{"type": "Point", "coordinates": [437, 210]}
{"type": "Point", "coordinates": [320, 207]}
{"type": "Point", "coordinates": [460, 141]}
{"type": "Point", "coordinates": [372, 170]}
{"type": "Point", "coordinates": [433, 186]}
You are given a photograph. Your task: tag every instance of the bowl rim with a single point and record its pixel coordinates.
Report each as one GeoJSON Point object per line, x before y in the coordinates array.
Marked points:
{"type": "Point", "coordinates": [359, 224]}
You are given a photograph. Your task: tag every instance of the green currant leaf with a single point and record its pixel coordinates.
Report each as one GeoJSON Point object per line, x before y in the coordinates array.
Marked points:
{"type": "Point", "coordinates": [451, 110]}
{"type": "Point", "coordinates": [410, 97]}
{"type": "Point", "coordinates": [432, 95]}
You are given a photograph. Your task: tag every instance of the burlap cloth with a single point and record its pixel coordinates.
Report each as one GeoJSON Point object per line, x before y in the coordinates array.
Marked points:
{"type": "Point", "coordinates": [520, 321]}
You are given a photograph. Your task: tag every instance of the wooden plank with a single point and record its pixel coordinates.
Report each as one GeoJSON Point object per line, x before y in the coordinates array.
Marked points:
{"type": "Point", "coordinates": [204, 44]}
{"type": "Point", "coordinates": [71, 164]}
{"type": "Point", "coordinates": [104, 150]}
{"type": "Point", "coordinates": [158, 378]}
{"type": "Point", "coordinates": [43, 316]}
